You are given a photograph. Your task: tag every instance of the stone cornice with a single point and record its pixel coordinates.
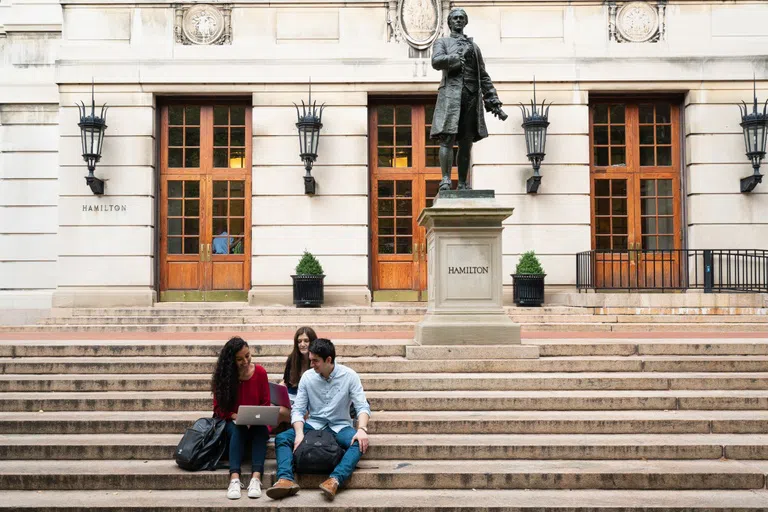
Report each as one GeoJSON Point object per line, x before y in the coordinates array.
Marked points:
{"type": "Point", "coordinates": [350, 3]}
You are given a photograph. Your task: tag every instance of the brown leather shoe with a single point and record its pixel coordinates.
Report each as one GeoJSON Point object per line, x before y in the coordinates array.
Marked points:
{"type": "Point", "coordinates": [282, 489]}
{"type": "Point", "coordinates": [329, 488]}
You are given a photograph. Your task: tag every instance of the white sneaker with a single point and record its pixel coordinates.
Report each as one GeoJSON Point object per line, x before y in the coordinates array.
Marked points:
{"type": "Point", "coordinates": [233, 492]}
{"type": "Point", "coordinates": [254, 488]}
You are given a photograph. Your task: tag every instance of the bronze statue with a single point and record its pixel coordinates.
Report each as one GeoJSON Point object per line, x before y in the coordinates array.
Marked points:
{"type": "Point", "coordinates": [464, 90]}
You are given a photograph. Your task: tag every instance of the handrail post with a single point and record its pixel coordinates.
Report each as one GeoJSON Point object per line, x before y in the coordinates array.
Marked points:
{"type": "Point", "coordinates": [708, 274]}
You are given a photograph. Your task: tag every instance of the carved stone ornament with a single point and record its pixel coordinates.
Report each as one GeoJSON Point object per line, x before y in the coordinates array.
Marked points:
{"type": "Point", "coordinates": [203, 24]}
{"type": "Point", "coordinates": [417, 22]}
{"type": "Point", "coordinates": [637, 22]}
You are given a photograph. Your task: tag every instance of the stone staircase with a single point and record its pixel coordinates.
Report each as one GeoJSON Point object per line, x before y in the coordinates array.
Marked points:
{"type": "Point", "coordinates": [594, 424]}
{"type": "Point", "coordinates": [228, 317]}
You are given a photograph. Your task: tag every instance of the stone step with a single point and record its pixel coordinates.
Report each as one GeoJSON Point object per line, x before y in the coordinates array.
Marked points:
{"type": "Point", "coordinates": [403, 500]}
{"type": "Point", "coordinates": [370, 347]}
{"type": "Point", "coordinates": [417, 422]}
{"type": "Point", "coordinates": [418, 447]}
{"type": "Point", "coordinates": [380, 326]}
{"type": "Point", "coordinates": [276, 365]}
{"type": "Point", "coordinates": [402, 474]}
{"type": "Point", "coordinates": [404, 382]}
{"type": "Point", "coordinates": [411, 400]}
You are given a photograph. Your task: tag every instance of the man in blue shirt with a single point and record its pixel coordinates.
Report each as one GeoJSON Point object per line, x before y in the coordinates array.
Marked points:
{"type": "Point", "coordinates": [327, 393]}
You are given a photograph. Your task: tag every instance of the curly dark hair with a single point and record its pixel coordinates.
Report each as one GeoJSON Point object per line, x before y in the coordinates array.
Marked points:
{"type": "Point", "coordinates": [224, 382]}
{"type": "Point", "coordinates": [295, 360]}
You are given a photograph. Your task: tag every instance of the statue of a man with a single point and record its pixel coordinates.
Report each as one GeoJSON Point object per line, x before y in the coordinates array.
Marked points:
{"type": "Point", "coordinates": [464, 90]}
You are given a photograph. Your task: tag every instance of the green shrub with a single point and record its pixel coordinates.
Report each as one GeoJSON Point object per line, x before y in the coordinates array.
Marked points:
{"type": "Point", "coordinates": [529, 264]}
{"type": "Point", "coordinates": [308, 265]}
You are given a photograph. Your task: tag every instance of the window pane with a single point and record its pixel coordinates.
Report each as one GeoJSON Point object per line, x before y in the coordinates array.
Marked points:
{"type": "Point", "coordinates": [601, 134]}
{"type": "Point", "coordinates": [191, 226]}
{"type": "Point", "coordinates": [618, 156]}
{"type": "Point", "coordinates": [386, 136]}
{"type": "Point", "coordinates": [648, 206]}
{"type": "Point", "coordinates": [385, 157]}
{"type": "Point", "coordinates": [665, 206]}
{"type": "Point", "coordinates": [174, 226]}
{"type": "Point", "coordinates": [386, 188]}
{"type": "Point", "coordinates": [649, 225]}
{"type": "Point", "coordinates": [237, 189]}
{"type": "Point", "coordinates": [237, 115]}
{"type": "Point", "coordinates": [666, 226]}
{"type": "Point", "coordinates": [404, 188]}
{"type": "Point", "coordinates": [174, 245]}
{"type": "Point", "coordinates": [386, 208]}
{"type": "Point", "coordinates": [236, 227]}
{"type": "Point", "coordinates": [174, 208]}
{"type": "Point", "coordinates": [663, 135]}
{"type": "Point", "coordinates": [237, 208]}
{"type": "Point", "coordinates": [403, 136]}
{"type": "Point", "coordinates": [617, 135]}
{"type": "Point", "coordinates": [404, 227]}
{"type": "Point", "coordinates": [175, 157]}
{"type": "Point", "coordinates": [649, 243]}
{"type": "Point", "coordinates": [191, 245]}
{"type": "Point", "coordinates": [646, 114]}
{"type": "Point", "coordinates": [386, 245]}
{"type": "Point", "coordinates": [219, 226]}
{"type": "Point", "coordinates": [602, 188]}
{"type": "Point", "coordinates": [174, 189]}
{"type": "Point", "coordinates": [403, 207]}
{"type": "Point", "coordinates": [617, 114]}
{"type": "Point", "coordinates": [386, 114]}
{"type": "Point", "coordinates": [600, 114]}
{"type": "Point", "coordinates": [603, 242]}
{"type": "Point", "coordinates": [664, 155]}
{"type": "Point", "coordinates": [220, 137]}
{"type": "Point", "coordinates": [647, 188]}
{"type": "Point", "coordinates": [665, 187]}
{"type": "Point", "coordinates": [602, 206]}
{"type": "Point", "coordinates": [619, 206]}
{"type": "Point", "coordinates": [601, 157]}
{"type": "Point", "coordinates": [662, 113]}
{"type": "Point", "coordinates": [620, 243]}
{"type": "Point", "coordinates": [646, 156]}
{"type": "Point", "coordinates": [237, 137]}
{"type": "Point", "coordinates": [176, 115]}
{"type": "Point", "coordinates": [433, 157]}
{"type": "Point", "coordinates": [191, 189]}
{"type": "Point", "coordinates": [403, 115]}
{"type": "Point", "coordinates": [404, 245]}
{"type": "Point", "coordinates": [192, 137]}
{"type": "Point", "coordinates": [386, 227]}
{"type": "Point", "coordinates": [237, 158]}
{"type": "Point", "coordinates": [619, 225]}
{"type": "Point", "coordinates": [175, 136]}
{"type": "Point", "coordinates": [192, 158]}
{"type": "Point", "coordinates": [403, 157]}
{"type": "Point", "coordinates": [220, 189]}
{"type": "Point", "coordinates": [619, 187]}
{"type": "Point", "coordinates": [192, 208]}
{"type": "Point", "coordinates": [220, 158]}
{"type": "Point", "coordinates": [603, 226]}
{"type": "Point", "coordinates": [220, 208]}
{"type": "Point", "coordinates": [666, 243]}
{"type": "Point", "coordinates": [646, 135]}
{"type": "Point", "coordinates": [192, 115]}
{"type": "Point", "coordinates": [221, 115]}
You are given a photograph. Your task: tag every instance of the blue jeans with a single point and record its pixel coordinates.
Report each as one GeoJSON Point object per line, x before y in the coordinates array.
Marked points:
{"type": "Point", "coordinates": [238, 435]}
{"type": "Point", "coordinates": [342, 472]}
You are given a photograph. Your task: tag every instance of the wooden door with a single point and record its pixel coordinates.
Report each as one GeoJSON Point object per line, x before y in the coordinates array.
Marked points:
{"type": "Point", "coordinates": [205, 206]}
{"type": "Point", "coordinates": [405, 174]}
{"type": "Point", "coordinates": [635, 189]}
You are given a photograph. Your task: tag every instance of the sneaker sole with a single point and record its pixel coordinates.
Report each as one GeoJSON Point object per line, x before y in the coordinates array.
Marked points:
{"type": "Point", "coordinates": [281, 492]}
{"type": "Point", "coordinates": [328, 495]}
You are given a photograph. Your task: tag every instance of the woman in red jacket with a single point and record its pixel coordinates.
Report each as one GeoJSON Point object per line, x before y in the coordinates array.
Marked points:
{"type": "Point", "coordinates": [237, 381]}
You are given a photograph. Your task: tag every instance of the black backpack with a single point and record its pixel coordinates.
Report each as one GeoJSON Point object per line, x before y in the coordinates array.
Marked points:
{"type": "Point", "coordinates": [202, 445]}
{"type": "Point", "coordinates": [318, 453]}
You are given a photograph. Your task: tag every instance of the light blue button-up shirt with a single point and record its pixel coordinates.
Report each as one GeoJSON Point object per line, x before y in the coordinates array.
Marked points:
{"type": "Point", "coordinates": [328, 399]}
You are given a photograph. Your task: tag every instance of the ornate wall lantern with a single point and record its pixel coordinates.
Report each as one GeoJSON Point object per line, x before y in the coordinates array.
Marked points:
{"type": "Point", "coordinates": [535, 124]}
{"type": "Point", "coordinates": [92, 129]}
{"type": "Point", "coordinates": [754, 125]}
{"type": "Point", "coordinates": [309, 125]}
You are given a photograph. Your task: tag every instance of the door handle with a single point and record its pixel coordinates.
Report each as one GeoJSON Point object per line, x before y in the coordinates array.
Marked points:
{"type": "Point", "coordinates": [415, 252]}
{"type": "Point", "coordinates": [209, 252]}
{"type": "Point", "coordinates": [202, 252]}
{"type": "Point", "coordinates": [424, 251]}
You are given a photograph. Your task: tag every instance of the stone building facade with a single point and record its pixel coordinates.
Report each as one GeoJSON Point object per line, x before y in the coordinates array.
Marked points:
{"type": "Point", "coordinates": [644, 145]}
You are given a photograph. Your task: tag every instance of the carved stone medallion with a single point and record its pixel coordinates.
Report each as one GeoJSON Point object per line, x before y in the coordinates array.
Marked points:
{"type": "Point", "coordinates": [420, 21]}
{"type": "Point", "coordinates": [637, 22]}
{"type": "Point", "coordinates": [203, 24]}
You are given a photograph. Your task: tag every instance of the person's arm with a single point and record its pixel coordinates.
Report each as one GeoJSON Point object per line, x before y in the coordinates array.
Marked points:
{"type": "Point", "coordinates": [441, 60]}
{"type": "Point", "coordinates": [298, 410]}
{"type": "Point", "coordinates": [363, 412]}
{"type": "Point", "coordinates": [490, 97]}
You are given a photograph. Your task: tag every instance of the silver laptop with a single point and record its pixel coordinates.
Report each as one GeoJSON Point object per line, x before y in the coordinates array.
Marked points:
{"type": "Point", "coordinates": [257, 415]}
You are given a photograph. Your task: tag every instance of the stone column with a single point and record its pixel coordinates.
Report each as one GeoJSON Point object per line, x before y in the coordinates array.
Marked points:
{"type": "Point", "coordinates": [465, 273]}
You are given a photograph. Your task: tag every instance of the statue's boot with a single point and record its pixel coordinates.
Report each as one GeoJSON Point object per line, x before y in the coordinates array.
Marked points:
{"type": "Point", "coordinates": [445, 184]}
{"type": "Point", "coordinates": [463, 185]}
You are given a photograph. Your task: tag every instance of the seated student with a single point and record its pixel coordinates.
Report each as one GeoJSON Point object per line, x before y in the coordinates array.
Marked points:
{"type": "Point", "coordinates": [237, 381]}
{"type": "Point", "coordinates": [328, 392]}
{"type": "Point", "coordinates": [295, 366]}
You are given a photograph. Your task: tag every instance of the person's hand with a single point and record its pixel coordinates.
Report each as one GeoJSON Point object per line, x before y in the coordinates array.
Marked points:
{"type": "Point", "coordinates": [362, 438]}
{"type": "Point", "coordinates": [234, 416]}
{"type": "Point", "coordinates": [298, 441]}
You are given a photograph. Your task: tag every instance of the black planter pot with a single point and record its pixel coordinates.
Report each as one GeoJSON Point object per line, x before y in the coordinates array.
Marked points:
{"type": "Point", "coordinates": [528, 289]}
{"type": "Point", "coordinates": [308, 290]}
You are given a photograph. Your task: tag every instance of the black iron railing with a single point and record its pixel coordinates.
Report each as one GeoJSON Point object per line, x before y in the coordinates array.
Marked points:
{"type": "Point", "coordinates": [711, 270]}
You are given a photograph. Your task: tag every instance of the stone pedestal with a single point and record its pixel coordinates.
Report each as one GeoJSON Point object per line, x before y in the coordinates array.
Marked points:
{"type": "Point", "coordinates": [465, 272]}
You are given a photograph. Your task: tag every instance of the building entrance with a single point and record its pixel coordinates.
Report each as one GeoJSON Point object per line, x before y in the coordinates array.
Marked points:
{"type": "Point", "coordinates": [205, 202]}
{"type": "Point", "coordinates": [635, 180]}
{"type": "Point", "coordinates": [405, 175]}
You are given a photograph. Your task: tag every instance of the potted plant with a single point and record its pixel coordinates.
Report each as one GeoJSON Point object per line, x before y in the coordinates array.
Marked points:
{"type": "Point", "coordinates": [528, 281]}
{"type": "Point", "coordinates": [308, 282]}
